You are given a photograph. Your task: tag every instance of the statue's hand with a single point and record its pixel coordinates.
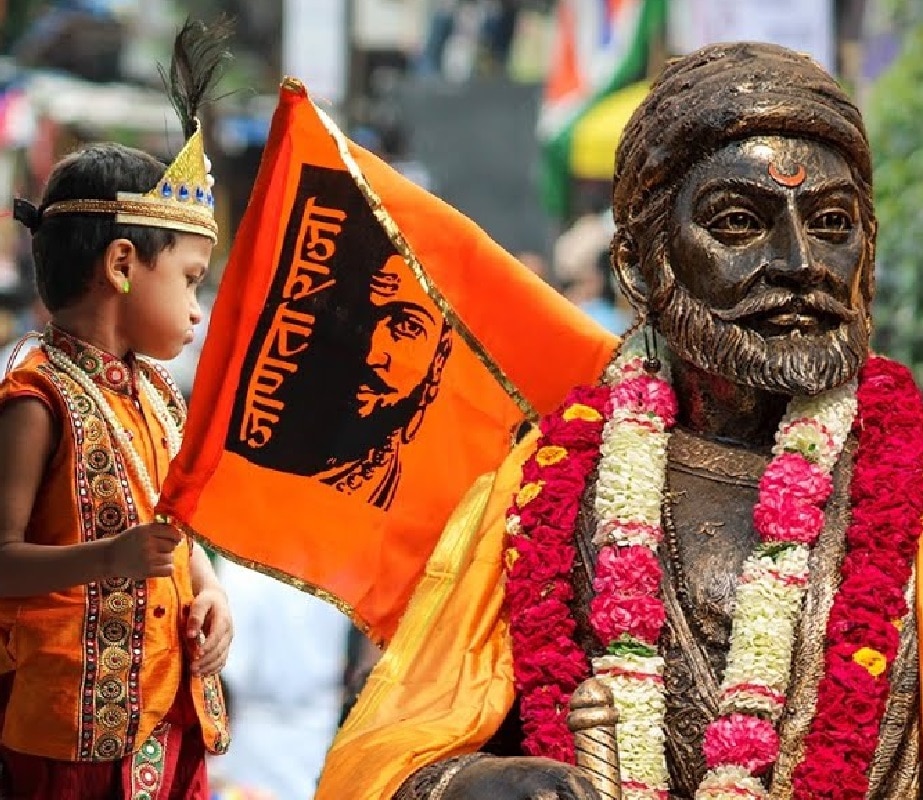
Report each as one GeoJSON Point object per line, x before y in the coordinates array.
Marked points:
{"type": "Point", "coordinates": [519, 779]}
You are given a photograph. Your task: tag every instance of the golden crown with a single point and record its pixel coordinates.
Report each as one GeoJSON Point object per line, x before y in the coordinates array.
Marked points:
{"type": "Point", "coordinates": [181, 201]}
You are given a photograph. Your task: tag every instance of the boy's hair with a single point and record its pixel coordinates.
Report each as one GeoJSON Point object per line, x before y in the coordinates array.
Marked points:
{"type": "Point", "coordinates": [67, 247]}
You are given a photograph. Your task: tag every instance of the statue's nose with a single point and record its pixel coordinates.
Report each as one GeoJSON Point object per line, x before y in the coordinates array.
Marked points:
{"type": "Point", "coordinates": [792, 259]}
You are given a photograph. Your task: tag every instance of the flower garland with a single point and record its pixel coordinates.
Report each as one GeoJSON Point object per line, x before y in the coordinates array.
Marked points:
{"type": "Point", "coordinates": [627, 613]}
{"type": "Point", "coordinates": [863, 629]}
{"type": "Point", "coordinates": [540, 555]}
{"type": "Point", "coordinates": [788, 517]}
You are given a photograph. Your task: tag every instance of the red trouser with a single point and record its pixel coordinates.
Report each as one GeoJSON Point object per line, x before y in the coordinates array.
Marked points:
{"type": "Point", "coordinates": [175, 772]}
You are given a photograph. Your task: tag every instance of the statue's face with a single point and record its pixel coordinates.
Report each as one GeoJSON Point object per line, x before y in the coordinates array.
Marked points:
{"type": "Point", "coordinates": [767, 248]}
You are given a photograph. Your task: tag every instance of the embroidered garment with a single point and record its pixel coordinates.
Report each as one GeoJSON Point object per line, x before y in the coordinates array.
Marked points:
{"type": "Point", "coordinates": [170, 765]}
{"type": "Point", "coordinates": [97, 667]}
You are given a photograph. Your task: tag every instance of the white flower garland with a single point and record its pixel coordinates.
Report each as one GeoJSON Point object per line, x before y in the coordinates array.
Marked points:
{"type": "Point", "coordinates": [628, 497]}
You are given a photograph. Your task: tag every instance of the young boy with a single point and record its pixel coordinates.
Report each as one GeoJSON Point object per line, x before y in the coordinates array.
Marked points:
{"type": "Point", "coordinates": [112, 625]}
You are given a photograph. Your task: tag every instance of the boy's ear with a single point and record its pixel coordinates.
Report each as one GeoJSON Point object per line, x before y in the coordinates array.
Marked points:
{"type": "Point", "coordinates": [119, 259]}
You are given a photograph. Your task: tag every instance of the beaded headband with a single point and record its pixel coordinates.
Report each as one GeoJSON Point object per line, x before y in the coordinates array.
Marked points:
{"type": "Point", "coordinates": [181, 201]}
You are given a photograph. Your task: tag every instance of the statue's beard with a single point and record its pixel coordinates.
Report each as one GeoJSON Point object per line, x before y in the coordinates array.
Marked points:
{"type": "Point", "coordinates": [791, 365]}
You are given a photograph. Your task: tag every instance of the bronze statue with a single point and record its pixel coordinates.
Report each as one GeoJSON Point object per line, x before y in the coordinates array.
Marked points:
{"type": "Point", "coordinates": [745, 239]}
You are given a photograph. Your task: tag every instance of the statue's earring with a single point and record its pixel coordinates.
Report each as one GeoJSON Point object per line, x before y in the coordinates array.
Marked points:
{"type": "Point", "coordinates": [651, 358]}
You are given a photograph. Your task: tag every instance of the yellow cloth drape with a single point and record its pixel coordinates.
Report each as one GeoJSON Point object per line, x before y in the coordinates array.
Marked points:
{"type": "Point", "coordinates": [445, 683]}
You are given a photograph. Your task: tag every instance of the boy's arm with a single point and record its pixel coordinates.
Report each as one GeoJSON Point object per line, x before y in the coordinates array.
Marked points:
{"type": "Point", "coordinates": [203, 573]}
{"type": "Point", "coordinates": [209, 628]}
{"type": "Point", "coordinates": [28, 437]}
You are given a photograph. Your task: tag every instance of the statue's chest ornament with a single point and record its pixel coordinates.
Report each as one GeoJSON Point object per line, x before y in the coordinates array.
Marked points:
{"type": "Point", "coordinates": [709, 493]}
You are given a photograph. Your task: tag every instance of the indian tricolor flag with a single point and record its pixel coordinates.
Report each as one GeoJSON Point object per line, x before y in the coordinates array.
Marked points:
{"type": "Point", "coordinates": [601, 56]}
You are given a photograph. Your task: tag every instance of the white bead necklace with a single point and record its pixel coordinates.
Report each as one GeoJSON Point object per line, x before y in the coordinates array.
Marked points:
{"type": "Point", "coordinates": [162, 413]}
{"type": "Point", "coordinates": [61, 360]}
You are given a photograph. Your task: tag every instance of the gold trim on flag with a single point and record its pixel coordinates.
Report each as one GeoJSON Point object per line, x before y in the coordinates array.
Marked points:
{"type": "Point", "coordinates": [277, 574]}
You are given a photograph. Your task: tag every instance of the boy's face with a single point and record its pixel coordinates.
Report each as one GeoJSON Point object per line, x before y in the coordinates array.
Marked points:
{"type": "Point", "coordinates": [162, 305]}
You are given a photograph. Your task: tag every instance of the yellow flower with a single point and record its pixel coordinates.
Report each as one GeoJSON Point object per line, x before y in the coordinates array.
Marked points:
{"type": "Point", "coordinates": [549, 455]}
{"type": "Point", "coordinates": [898, 623]}
{"type": "Point", "coordinates": [528, 493]}
{"type": "Point", "coordinates": [510, 557]}
{"type": "Point", "coordinates": [873, 661]}
{"type": "Point", "coordinates": [581, 411]}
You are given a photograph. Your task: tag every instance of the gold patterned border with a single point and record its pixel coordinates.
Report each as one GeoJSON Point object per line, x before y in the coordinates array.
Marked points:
{"type": "Point", "coordinates": [272, 572]}
{"type": "Point", "coordinates": [143, 211]}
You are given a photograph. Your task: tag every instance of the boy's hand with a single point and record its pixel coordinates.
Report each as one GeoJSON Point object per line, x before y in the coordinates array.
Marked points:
{"type": "Point", "coordinates": [144, 551]}
{"type": "Point", "coordinates": [209, 630]}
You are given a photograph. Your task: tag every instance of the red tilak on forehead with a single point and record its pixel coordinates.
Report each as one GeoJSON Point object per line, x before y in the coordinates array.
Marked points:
{"type": "Point", "coordinates": [791, 180]}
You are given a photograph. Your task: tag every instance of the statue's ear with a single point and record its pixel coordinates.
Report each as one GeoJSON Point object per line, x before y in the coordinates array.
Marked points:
{"type": "Point", "coordinates": [627, 267]}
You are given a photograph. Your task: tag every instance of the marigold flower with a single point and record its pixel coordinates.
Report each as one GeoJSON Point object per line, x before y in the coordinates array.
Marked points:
{"type": "Point", "coordinates": [550, 455]}
{"type": "Point", "coordinates": [581, 411]}
{"type": "Point", "coordinates": [528, 493]}
{"type": "Point", "coordinates": [873, 661]}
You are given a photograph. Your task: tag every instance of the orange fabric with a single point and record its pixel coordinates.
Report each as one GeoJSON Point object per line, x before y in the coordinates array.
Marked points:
{"type": "Point", "coordinates": [47, 639]}
{"type": "Point", "coordinates": [446, 684]}
{"type": "Point", "coordinates": [304, 452]}
{"type": "Point", "coordinates": [422, 703]}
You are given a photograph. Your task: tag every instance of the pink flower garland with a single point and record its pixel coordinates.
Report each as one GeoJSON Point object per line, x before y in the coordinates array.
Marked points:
{"type": "Point", "coordinates": [863, 628]}
{"type": "Point", "coordinates": [748, 741]}
{"type": "Point", "coordinates": [548, 663]}
{"type": "Point", "coordinates": [793, 492]}
{"type": "Point", "coordinates": [789, 513]}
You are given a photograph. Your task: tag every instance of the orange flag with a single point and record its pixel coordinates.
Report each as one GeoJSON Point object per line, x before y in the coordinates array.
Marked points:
{"type": "Point", "coordinates": [370, 353]}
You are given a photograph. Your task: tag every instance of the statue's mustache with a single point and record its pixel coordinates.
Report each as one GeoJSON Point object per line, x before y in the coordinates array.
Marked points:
{"type": "Point", "coordinates": [785, 301]}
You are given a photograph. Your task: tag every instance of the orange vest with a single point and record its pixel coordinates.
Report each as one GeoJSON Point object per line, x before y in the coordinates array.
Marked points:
{"type": "Point", "coordinates": [98, 666]}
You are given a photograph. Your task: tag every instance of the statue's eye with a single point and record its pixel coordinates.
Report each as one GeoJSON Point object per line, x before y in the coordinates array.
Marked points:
{"type": "Point", "coordinates": [831, 224]}
{"type": "Point", "coordinates": [736, 226]}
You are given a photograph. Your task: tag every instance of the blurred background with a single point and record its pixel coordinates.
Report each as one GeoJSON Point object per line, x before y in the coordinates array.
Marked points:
{"type": "Point", "coordinates": [508, 109]}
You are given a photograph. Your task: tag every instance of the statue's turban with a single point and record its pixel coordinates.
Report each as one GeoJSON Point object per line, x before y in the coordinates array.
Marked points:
{"type": "Point", "coordinates": [723, 93]}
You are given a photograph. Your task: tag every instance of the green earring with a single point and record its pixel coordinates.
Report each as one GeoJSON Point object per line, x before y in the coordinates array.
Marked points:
{"type": "Point", "coordinates": [126, 286]}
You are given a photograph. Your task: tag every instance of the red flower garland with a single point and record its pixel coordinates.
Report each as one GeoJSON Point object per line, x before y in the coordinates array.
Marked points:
{"type": "Point", "coordinates": [548, 663]}
{"type": "Point", "coordinates": [863, 628]}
